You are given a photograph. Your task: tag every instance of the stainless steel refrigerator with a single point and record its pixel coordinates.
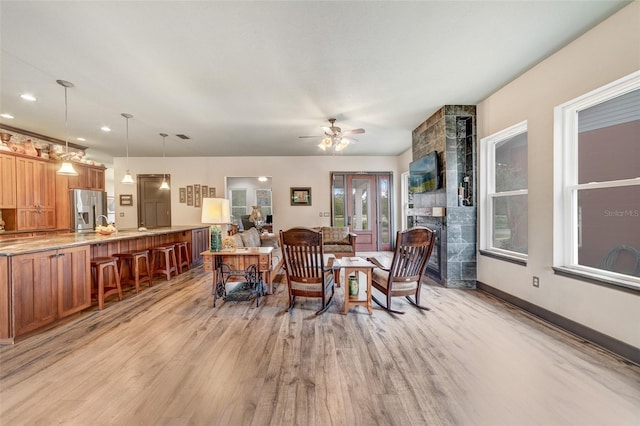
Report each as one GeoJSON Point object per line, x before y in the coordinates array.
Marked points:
{"type": "Point", "coordinates": [86, 208]}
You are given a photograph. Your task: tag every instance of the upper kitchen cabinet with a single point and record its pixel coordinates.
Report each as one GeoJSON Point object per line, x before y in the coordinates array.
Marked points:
{"type": "Point", "coordinates": [7, 181]}
{"type": "Point", "coordinates": [35, 183]}
{"type": "Point", "coordinates": [89, 177]}
{"type": "Point", "coordinates": [35, 193]}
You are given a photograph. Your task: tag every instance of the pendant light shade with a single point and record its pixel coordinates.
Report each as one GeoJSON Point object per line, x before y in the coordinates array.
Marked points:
{"type": "Point", "coordinates": [128, 179]}
{"type": "Point", "coordinates": [66, 168]}
{"type": "Point", "coordinates": [164, 185]}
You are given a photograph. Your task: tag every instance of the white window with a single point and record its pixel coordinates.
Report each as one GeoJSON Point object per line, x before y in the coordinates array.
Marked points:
{"type": "Point", "coordinates": [503, 192]}
{"type": "Point", "coordinates": [597, 183]}
{"type": "Point", "coordinates": [238, 199]}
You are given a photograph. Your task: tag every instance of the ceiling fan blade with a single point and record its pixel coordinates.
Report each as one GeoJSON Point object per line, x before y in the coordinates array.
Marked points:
{"type": "Point", "coordinates": [304, 137]}
{"type": "Point", "coordinates": [353, 132]}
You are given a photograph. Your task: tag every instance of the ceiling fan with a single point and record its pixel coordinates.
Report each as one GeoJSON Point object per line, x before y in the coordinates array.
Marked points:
{"type": "Point", "coordinates": [334, 137]}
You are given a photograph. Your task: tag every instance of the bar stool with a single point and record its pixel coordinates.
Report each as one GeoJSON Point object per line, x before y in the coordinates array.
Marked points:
{"type": "Point", "coordinates": [163, 261]}
{"type": "Point", "coordinates": [100, 266]}
{"type": "Point", "coordinates": [130, 270]}
{"type": "Point", "coordinates": [182, 254]}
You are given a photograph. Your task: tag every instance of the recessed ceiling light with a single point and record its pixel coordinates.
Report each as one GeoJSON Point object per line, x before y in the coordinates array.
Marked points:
{"type": "Point", "coordinates": [28, 97]}
{"type": "Point", "coordinates": [81, 139]}
{"type": "Point", "coordinates": [105, 129]}
{"type": "Point", "coordinates": [5, 115]}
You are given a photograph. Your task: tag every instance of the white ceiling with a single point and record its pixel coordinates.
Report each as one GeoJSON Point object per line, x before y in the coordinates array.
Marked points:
{"type": "Point", "coordinates": [248, 78]}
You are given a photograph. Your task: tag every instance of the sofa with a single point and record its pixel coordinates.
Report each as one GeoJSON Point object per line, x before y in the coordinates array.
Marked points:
{"type": "Point", "coordinates": [251, 238]}
{"type": "Point", "coordinates": [337, 240]}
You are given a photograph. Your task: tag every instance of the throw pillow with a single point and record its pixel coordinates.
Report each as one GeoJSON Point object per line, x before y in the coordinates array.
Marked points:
{"type": "Point", "coordinates": [335, 235]}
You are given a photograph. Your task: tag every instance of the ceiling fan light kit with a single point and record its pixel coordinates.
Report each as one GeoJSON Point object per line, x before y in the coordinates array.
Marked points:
{"type": "Point", "coordinates": [334, 137]}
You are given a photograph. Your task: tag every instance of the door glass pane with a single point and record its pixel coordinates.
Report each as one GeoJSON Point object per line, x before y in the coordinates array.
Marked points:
{"type": "Point", "coordinates": [510, 223]}
{"type": "Point", "coordinates": [361, 205]}
{"type": "Point", "coordinates": [338, 201]}
{"type": "Point", "coordinates": [385, 208]}
{"type": "Point", "coordinates": [608, 231]}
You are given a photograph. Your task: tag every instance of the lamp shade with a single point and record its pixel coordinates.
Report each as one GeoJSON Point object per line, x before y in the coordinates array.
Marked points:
{"type": "Point", "coordinates": [215, 211]}
{"type": "Point", "coordinates": [127, 178]}
{"type": "Point", "coordinates": [66, 169]}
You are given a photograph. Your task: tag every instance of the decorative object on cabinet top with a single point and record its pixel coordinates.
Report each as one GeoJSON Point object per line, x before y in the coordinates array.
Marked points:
{"type": "Point", "coordinates": [18, 141]}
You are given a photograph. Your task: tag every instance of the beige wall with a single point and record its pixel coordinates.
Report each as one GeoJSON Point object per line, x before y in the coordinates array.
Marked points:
{"type": "Point", "coordinates": [285, 172]}
{"type": "Point", "coordinates": [609, 51]}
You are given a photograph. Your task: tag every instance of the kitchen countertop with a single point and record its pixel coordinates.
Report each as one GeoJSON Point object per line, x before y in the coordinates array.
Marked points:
{"type": "Point", "coordinates": [17, 246]}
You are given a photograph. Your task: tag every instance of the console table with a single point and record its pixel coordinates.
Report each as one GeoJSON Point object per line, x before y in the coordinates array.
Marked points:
{"type": "Point", "coordinates": [252, 263]}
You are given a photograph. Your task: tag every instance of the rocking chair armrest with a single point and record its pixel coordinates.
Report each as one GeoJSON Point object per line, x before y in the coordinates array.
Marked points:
{"type": "Point", "coordinates": [329, 266]}
{"type": "Point", "coordinates": [379, 264]}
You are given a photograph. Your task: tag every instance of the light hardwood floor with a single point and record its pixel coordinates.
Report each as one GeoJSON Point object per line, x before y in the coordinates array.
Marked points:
{"type": "Point", "coordinates": [165, 356]}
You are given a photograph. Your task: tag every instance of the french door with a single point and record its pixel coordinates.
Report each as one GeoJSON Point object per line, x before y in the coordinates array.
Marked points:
{"type": "Point", "coordinates": [362, 201]}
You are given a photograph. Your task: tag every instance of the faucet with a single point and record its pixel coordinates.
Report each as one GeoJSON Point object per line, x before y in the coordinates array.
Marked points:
{"type": "Point", "coordinates": [106, 219]}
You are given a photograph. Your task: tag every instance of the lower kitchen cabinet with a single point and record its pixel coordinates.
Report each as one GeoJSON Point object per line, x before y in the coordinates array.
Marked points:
{"type": "Point", "coordinates": [199, 243]}
{"type": "Point", "coordinates": [35, 290]}
{"type": "Point", "coordinates": [74, 280]}
{"type": "Point", "coordinates": [34, 219]}
{"type": "Point", "coordinates": [49, 285]}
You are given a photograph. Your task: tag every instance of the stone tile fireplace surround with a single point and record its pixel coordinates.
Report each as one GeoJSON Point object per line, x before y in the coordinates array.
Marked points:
{"type": "Point", "coordinates": [451, 131]}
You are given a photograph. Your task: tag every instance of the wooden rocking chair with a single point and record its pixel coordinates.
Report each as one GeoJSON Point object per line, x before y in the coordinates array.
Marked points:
{"type": "Point", "coordinates": [304, 263]}
{"type": "Point", "coordinates": [402, 277]}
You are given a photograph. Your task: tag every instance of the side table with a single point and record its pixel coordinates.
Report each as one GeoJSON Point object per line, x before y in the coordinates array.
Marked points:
{"type": "Point", "coordinates": [356, 265]}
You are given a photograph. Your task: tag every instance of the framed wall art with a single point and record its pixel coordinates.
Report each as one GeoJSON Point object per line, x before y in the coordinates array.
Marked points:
{"type": "Point", "coordinates": [126, 199]}
{"type": "Point", "coordinates": [196, 195]}
{"type": "Point", "coordinates": [189, 195]}
{"type": "Point", "coordinates": [212, 192]}
{"type": "Point", "coordinates": [205, 191]}
{"type": "Point", "coordinates": [300, 196]}
{"type": "Point", "coordinates": [183, 195]}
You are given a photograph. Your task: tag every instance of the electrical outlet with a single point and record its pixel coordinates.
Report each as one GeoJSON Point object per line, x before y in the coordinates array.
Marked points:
{"type": "Point", "coordinates": [121, 214]}
{"type": "Point", "coordinates": [536, 282]}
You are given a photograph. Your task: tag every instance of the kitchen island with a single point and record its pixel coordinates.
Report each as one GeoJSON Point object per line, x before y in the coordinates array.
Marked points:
{"type": "Point", "coordinates": [48, 278]}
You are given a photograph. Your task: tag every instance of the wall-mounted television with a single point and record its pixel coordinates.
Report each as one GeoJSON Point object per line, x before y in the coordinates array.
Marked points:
{"type": "Point", "coordinates": [424, 173]}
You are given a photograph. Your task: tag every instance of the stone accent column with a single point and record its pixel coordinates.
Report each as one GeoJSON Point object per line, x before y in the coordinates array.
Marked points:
{"type": "Point", "coordinates": [451, 131]}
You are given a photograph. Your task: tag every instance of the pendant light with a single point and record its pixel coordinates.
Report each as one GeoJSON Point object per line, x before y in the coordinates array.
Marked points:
{"type": "Point", "coordinates": [128, 179]}
{"type": "Point", "coordinates": [66, 168]}
{"type": "Point", "coordinates": [164, 185]}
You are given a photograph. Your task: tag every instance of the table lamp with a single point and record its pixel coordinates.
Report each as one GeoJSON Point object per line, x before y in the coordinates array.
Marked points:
{"type": "Point", "coordinates": [215, 211]}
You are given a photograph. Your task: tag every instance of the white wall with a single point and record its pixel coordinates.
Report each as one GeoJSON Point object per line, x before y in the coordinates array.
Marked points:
{"type": "Point", "coordinates": [285, 172]}
{"type": "Point", "coordinates": [607, 52]}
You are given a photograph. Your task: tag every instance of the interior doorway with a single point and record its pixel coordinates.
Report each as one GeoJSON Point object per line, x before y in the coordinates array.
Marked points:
{"type": "Point", "coordinates": [362, 201]}
{"type": "Point", "coordinates": [154, 204]}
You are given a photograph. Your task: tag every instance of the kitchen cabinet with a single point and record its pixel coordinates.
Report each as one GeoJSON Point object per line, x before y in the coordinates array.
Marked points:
{"type": "Point", "coordinates": [35, 194]}
{"type": "Point", "coordinates": [7, 181]}
{"type": "Point", "coordinates": [89, 177]}
{"type": "Point", "coordinates": [33, 219]}
{"type": "Point", "coordinates": [34, 292]}
{"type": "Point", "coordinates": [74, 280]}
{"type": "Point", "coordinates": [35, 183]}
{"type": "Point", "coordinates": [49, 285]}
{"type": "Point", "coordinates": [199, 243]}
